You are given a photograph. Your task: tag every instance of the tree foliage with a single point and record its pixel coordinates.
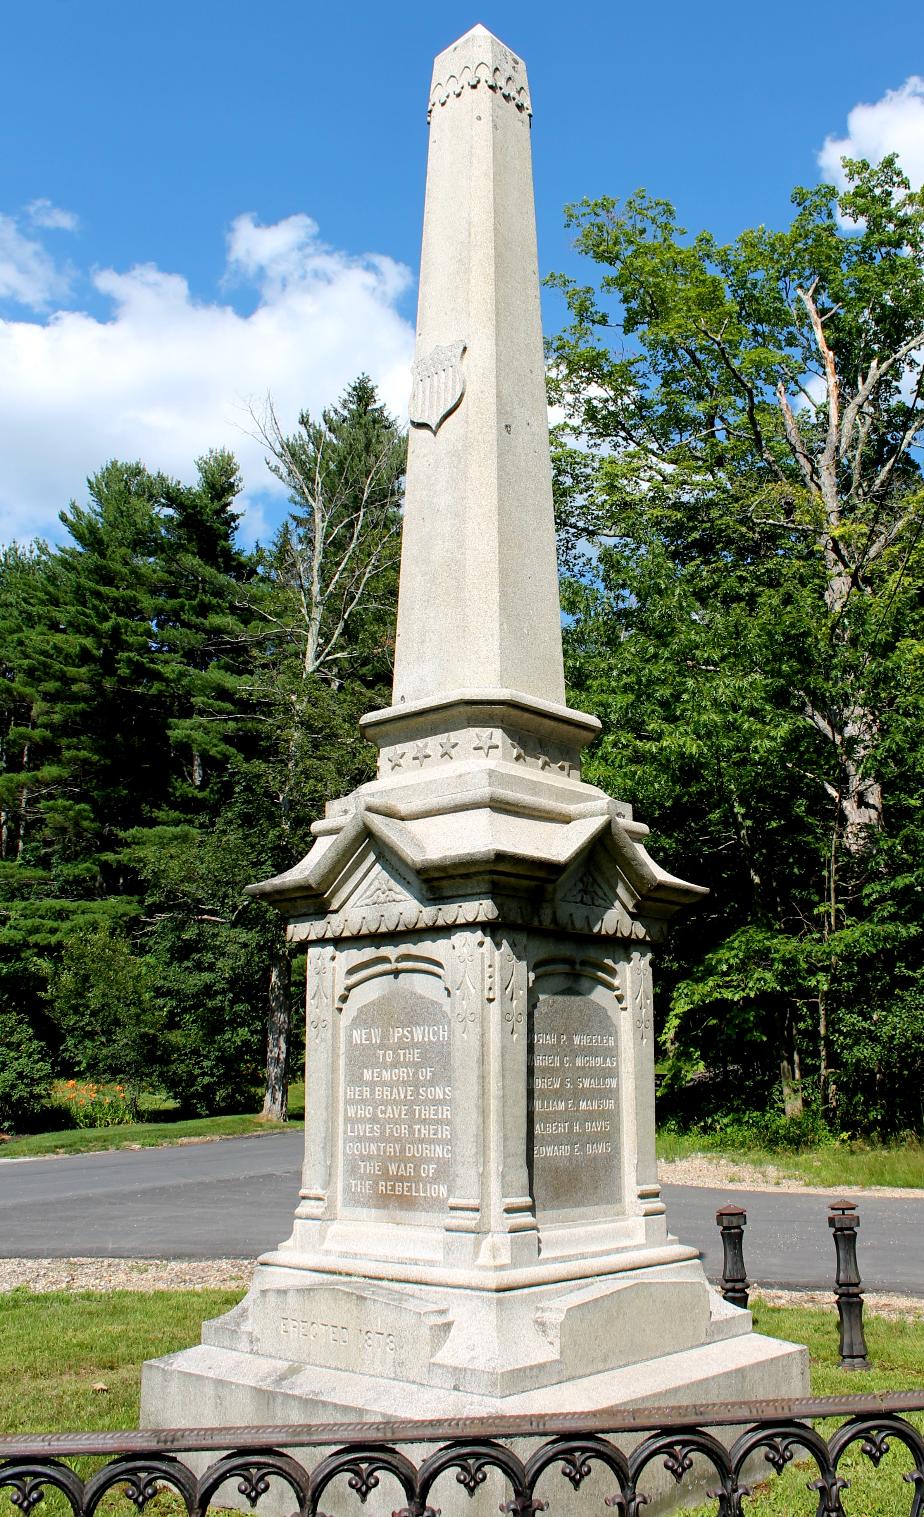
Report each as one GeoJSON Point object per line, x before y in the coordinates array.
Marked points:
{"type": "Point", "coordinates": [174, 714]}
{"type": "Point", "coordinates": [741, 508]}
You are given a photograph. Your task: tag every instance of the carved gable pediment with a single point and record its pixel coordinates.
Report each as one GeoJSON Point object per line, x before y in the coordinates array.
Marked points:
{"type": "Point", "coordinates": [594, 897]}
{"type": "Point", "coordinates": [372, 884]}
{"type": "Point", "coordinates": [384, 884]}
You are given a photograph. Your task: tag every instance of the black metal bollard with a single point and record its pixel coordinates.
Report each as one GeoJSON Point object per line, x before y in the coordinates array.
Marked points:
{"type": "Point", "coordinates": [734, 1282]}
{"type": "Point", "coordinates": [844, 1219]}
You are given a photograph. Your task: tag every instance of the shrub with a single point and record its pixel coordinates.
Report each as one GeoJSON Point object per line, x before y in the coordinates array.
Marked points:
{"type": "Point", "coordinates": [879, 1082]}
{"type": "Point", "coordinates": [25, 1072]}
{"type": "Point", "coordinates": [769, 1129]}
{"type": "Point", "coordinates": [89, 1105]}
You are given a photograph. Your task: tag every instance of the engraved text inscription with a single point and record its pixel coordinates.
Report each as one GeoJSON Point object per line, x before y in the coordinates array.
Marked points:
{"type": "Point", "coordinates": [574, 1104]}
{"type": "Point", "coordinates": [397, 1104]}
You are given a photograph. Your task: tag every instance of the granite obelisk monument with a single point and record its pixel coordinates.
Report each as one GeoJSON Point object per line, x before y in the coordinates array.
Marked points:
{"type": "Point", "coordinates": [479, 1224]}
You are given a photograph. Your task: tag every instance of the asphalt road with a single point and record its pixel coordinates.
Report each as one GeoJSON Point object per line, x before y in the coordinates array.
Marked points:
{"type": "Point", "coordinates": [234, 1199]}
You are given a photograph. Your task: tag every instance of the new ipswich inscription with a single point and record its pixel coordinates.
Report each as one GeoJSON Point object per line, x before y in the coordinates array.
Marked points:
{"type": "Point", "coordinates": [574, 1104]}
{"type": "Point", "coordinates": [397, 1104]}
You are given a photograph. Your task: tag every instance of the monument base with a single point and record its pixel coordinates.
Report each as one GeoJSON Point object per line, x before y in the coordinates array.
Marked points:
{"type": "Point", "coordinates": [230, 1379]}
{"type": "Point", "coordinates": [209, 1386]}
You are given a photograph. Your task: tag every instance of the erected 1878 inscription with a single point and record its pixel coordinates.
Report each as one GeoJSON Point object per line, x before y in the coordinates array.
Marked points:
{"type": "Point", "coordinates": [397, 1104]}
{"type": "Point", "coordinates": [574, 1104]}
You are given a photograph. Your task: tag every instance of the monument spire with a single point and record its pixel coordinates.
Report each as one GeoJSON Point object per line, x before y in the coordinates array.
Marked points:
{"type": "Point", "coordinates": [479, 607]}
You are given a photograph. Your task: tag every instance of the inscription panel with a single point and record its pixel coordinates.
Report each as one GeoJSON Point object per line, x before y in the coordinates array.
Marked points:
{"type": "Point", "coordinates": [397, 1104]}
{"type": "Point", "coordinates": [573, 1104]}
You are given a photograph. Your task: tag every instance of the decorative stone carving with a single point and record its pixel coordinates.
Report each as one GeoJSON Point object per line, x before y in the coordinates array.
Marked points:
{"type": "Point", "coordinates": [588, 890]}
{"type": "Point", "coordinates": [439, 384]}
{"type": "Point", "coordinates": [580, 967]}
{"type": "Point", "coordinates": [494, 77]}
{"type": "Point", "coordinates": [320, 990]}
{"type": "Point", "coordinates": [511, 747]}
{"type": "Point", "coordinates": [374, 963]}
{"type": "Point", "coordinates": [466, 959]}
{"type": "Point", "coordinates": [413, 916]}
{"type": "Point", "coordinates": [384, 888]}
{"type": "Point", "coordinates": [510, 979]}
{"type": "Point", "coordinates": [640, 995]}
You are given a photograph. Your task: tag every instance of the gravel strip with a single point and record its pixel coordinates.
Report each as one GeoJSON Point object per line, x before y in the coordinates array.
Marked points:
{"type": "Point", "coordinates": [235, 1274]}
{"type": "Point", "coordinates": [714, 1172]}
{"type": "Point", "coordinates": [896, 1308]}
{"type": "Point", "coordinates": [125, 1274]}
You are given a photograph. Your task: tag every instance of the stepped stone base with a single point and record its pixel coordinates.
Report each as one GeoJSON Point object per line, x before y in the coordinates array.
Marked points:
{"type": "Point", "coordinates": [219, 1383]}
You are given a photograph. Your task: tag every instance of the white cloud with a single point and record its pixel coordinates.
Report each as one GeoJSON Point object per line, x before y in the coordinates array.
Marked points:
{"type": "Point", "coordinates": [894, 124]}
{"type": "Point", "coordinates": [28, 275]}
{"type": "Point", "coordinates": [167, 376]}
{"type": "Point", "coordinates": [43, 214]}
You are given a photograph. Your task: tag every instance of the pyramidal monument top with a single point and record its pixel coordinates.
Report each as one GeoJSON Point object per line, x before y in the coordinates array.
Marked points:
{"type": "Point", "coordinates": [479, 58]}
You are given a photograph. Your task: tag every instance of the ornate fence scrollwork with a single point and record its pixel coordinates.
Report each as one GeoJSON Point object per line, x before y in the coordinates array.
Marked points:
{"type": "Point", "coordinates": [674, 1440]}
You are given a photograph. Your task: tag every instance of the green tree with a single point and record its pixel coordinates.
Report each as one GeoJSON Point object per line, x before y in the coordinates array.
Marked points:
{"type": "Point", "coordinates": [741, 510]}
{"type": "Point", "coordinates": [202, 622]}
{"type": "Point", "coordinates": [101, 999]}
{"type": "Point", "coordinates": [25, 1070]}
{"type": "Point", "coordinates": [174, 714]}
{"type": "Point", "coordinates": [123, 705]}
{"type": "Point", "coordinates": [85, 754]}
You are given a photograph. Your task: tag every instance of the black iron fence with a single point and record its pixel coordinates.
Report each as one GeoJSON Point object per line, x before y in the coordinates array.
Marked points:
{"type": "Point", "coordinates": [356, 1460]}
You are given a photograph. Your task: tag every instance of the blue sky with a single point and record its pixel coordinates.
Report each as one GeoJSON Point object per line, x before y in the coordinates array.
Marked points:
{"type": "Point", "coordinates": [203, 201]}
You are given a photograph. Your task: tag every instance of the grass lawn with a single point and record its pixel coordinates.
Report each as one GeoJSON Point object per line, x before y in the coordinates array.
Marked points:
{"type": "Point", "coordinates": [897, 1352]}
{"type": "Point", "coordinates": [55, 1348]}
{"type": "Point", "coordinates": [70, 1362]}
{"type": "Point", "coordinates": [166, 1129]}
{"type": "Point", "coordinates": [858, 1164]}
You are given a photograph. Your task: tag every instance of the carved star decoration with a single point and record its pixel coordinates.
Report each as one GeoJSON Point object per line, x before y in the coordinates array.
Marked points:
{"type": "Point", "coordinates": [485, 743]}
{"type": "Point", "coordinates": [396, 757]}
{"type": "Point", "coordinates": [447, 745]}
{"type": "Point", "coordinates": [420, 754]}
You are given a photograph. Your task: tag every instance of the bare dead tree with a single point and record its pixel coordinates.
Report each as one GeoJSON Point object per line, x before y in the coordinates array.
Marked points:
{"type": "Point", "coordinates": [340, 545]}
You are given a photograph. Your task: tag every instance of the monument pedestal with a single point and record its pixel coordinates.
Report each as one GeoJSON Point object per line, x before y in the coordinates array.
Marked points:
{"type": "Point", "coordinates": [479, 1226]}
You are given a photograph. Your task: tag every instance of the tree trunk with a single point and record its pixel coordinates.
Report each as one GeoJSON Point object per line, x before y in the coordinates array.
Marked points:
{"type": "Point", "coordinates": [861, 805]}
{"type": "Point", "coordinates": [23, 804]}
{"type": "Point", "coordinates": [791, 1071]}
{"type": "Point", "coordinates": [824, 1070]}
{"type": "Point", "coordinates": [278, 1021]}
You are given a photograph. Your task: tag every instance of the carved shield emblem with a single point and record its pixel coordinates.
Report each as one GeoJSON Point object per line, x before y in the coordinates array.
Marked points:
{"type": "Point", "coordinates": [439, 385]}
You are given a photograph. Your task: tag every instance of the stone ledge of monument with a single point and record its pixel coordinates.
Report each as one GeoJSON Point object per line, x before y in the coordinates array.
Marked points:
{"type": "Point", "coordinates": [531, 710]}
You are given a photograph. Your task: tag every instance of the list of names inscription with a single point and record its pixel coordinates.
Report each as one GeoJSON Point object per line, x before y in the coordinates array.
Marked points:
{"type": "Point", "coordinates": [574, 1104]}
{"type": "Point", "coordinates": [397, 1104]}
